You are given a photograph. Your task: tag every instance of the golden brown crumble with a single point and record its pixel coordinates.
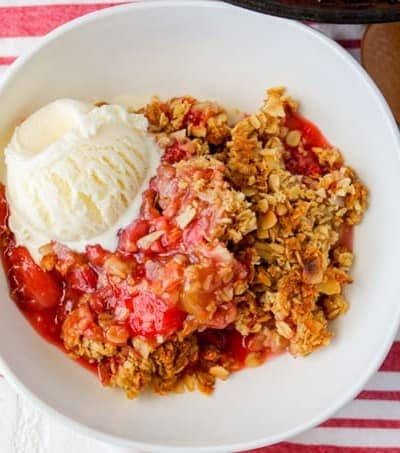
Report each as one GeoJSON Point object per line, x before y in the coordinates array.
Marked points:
{"type": "Point", "coordinates": [292, 224]}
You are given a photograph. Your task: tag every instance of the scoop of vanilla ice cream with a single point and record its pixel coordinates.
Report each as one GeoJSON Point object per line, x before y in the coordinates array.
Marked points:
{"type": "Point", "coordinates": [75, 173]}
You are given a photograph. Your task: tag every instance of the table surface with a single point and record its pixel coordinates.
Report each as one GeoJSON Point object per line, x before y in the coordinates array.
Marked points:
{"type": "Point", "coordinates": [370, 423]}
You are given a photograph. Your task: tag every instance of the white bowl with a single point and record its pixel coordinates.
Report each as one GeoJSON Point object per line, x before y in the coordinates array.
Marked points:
{"type": "Point", "coordinates": [231, 55]}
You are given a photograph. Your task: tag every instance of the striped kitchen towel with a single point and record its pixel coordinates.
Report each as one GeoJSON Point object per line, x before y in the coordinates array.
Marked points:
{"type": "Point", "coordinates": [370, 423]}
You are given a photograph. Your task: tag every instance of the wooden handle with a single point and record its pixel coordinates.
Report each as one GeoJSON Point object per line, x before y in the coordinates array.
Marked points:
{"type": "Point", "coordinates": [380, 55]}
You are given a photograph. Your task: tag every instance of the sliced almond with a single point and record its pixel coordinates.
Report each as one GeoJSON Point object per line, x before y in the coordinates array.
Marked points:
{"type": "Point", "coordinates": [274, 182]}
{"type": "Point", "coordinates": [281, 209]}
{"type": "Point", "coordinates": [293, 138]}
{"type": "Point", "coordinates": [268, 220]}
{"type": "Point", "coordinates": [117, 334]}
{"type": "Point", "coordinates": [255, 122]}
{"type": "Point", "coordinates": [312, 271]}
{"type": "Point", "coordinates": [185, 217]}
{"type": "Point", "coordinates": [284, 329]}
{"type": "Point", "coordinates": [145, 242]}
{"type": "Point", "coordinates": [254, 359]}
{"type": "Point", "coordinates": [117, 267]}
{"type": "Point", "coordinates": [330, 287]}
{"type": "Point", "coordinates": [219, 372]}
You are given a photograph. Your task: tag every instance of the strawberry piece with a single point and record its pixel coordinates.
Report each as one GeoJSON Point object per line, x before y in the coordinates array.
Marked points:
{"type": "Point", "coordinates": [129, 236]}
{"type": "Point", "coordinates": [196, 231]}
{"type": "Point", "coordinates": [96, 254]}
{"type": "Point", "coordinates": [195, 116]}
{"type": "Point", "coordinates": [39, 289]}
{"type": "Point", "coordinates": [3, 207]}
{"type": "Point", "coordinates": [82, 279]}
{"type": "Point", "coordinates": [174, 153]}
{"type": "Point", "coordinates": [152, 316]}
{"type": "Point", "coordinates": [305, 163]}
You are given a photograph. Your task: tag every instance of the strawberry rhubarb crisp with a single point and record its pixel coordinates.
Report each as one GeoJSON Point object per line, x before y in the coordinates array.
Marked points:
{"type": "Point", "coordinates": [241, 249]}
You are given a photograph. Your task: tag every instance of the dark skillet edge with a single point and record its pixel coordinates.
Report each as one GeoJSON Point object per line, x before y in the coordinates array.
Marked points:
{"type": "Point", "coordinates": [390, 13]}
